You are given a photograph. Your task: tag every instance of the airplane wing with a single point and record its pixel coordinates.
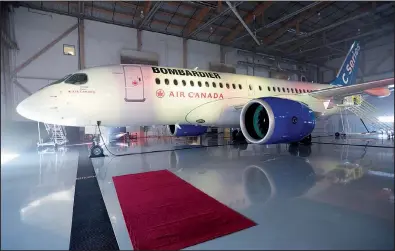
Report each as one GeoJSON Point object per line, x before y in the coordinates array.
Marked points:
{"type": "Point", "coordinates": [344, 91]}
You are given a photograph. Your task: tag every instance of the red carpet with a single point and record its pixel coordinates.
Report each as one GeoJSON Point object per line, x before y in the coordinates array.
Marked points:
{"type": "Point", "coordinates": [163, 212]}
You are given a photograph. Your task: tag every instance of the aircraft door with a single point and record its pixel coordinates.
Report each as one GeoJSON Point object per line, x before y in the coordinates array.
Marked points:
{"type": "Point", "coordinates": [134, 84]}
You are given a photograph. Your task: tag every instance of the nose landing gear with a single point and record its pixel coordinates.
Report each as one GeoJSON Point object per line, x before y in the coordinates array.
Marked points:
{"type": "Point", "coordinates": [96, 150]}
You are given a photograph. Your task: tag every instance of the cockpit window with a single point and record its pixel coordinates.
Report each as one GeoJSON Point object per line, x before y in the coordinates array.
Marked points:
{"type": "Point", "coordinates": [77, 79]}
{"type": "Point", "coordinates": [57, 81]}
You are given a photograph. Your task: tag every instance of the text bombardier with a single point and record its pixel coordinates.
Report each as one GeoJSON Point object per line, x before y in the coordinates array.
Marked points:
{"type": "Point", "coordinates": [182, 72]}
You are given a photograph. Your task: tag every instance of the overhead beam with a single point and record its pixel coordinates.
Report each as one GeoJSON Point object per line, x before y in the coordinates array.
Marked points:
{"type": "Point", "coordinates": [293, 22]}
{"type": "Point", "coordinates": [244, 23]}
{"type": "Point", "coordinates": [43, 50]}
{"type": "Point", "coordinates": [212, 20]}
{"type": "Point", "coordinates": [194, 23]}
{"type": "Point", "coordinates": [281, 19]}
{"type": "Point", "coordinates": [148, 17]}
{"type": "Point", "coordinates": [331, 26]}
{"type": "Point", "coordinates": [130, 17]}
{"type": "Point", "coordinates": [147, 6]}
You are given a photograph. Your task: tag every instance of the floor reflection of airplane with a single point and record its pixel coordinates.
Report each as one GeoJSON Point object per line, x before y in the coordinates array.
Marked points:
{"type": "Point", "coordinates": [268, 111]}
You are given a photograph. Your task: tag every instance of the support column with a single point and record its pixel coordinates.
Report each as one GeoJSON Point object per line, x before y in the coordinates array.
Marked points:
{"type": "Point", "coordinates": [81, 36]}
{"type": "Point", "coordinates": [81, 44]}
{"type": "Point", "coordinates": [139, 45]}
{"type": "Point", "coordinates": [222, 54]}
{"type": "Point", "coordinates": [139, 41]}
{"type": "Point", "coordinates": [185, 53]}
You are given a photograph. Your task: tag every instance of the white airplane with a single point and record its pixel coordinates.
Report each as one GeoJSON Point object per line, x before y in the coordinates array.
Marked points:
{"type": "Point", "coordinates": [268, 111]}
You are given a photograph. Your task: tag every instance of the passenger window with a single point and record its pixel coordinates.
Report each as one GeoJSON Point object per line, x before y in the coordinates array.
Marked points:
{"type": "Point", "coordinates": [283, 89]}
{"type": "Point", "coordinates": [214, 85]}
{"type": "Point", "coordinates": [227, 85]}
{"type": "Point", "coordinates": [191, 83]}
{"type": "Point", "coordinates": [234, 86]}
{"type": "Point", "coordinates": [288, 90]}
{"type": "Point", "coordinates": [240, 86]}
{"type": "Point", "coordinates": [157, 80]}
{"type": "Point", "coordinates": [199, 84]}
{"type": "Point", "coordinates": [278, 89]}
{"type": "Point", "coordinates": [166, 81]}
{"type": "Point", "coordinates": [77, 79]}
{"type": "Point", "coordinates": [274, 89]}
{"type": "Point", "coordinates": [260, 88]}
{"type": "Point", "coordinates": [249, 86]}
{"type": "Point", "coordinates": [175, 82]}
{"type": "Point", "coordinates": [207, 84]}
{"type": "Point", "coordinates": [184, 83]}
{"type": "Point", "coordinates": [292, 90]}
{"type": "Point", "coordinates": [221, 85]}
{"type": "Point", "coordinates": [268, 88]}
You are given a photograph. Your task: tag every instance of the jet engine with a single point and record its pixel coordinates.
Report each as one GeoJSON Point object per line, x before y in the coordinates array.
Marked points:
{"type": "Point", "coordinates": [186, 130]}
{"type": "Point", "coordinates": [274, 120]}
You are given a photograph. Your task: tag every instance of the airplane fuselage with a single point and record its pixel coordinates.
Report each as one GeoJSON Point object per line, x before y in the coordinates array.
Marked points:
{"type": "Point", "coordinates": [126, 95]}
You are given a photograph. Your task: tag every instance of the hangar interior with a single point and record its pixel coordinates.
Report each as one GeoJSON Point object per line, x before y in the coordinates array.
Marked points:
{"type": "Point", "coordinates": [339, 189]}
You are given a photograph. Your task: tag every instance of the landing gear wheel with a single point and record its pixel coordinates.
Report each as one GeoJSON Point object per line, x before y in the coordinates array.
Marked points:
{"type": "Point", "coordinates": [337, 134]}
{"type": "Point", "coordinates": [97, 151]}
{"type": "Point", "coordinates": [234, 134]}
{"type": "Point", "coordinates": [306, 141]}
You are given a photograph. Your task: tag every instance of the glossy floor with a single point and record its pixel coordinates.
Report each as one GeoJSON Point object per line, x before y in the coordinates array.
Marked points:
{"type": "Point", "coordinates": [323, 196]}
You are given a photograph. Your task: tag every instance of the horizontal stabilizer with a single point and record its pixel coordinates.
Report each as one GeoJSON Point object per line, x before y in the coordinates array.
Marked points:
{"type": "Point", "coordinates": [344, 91]}
{"type": "Point", "coordinates": [379, 92]}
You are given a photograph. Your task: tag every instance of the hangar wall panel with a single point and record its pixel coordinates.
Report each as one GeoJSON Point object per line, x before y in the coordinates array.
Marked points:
{"type": "Point", "coordinates": [169, 48]}
{"type": "Point", "coordinates": [201, 53]}
{"type": "Point", "coordinates": [104, 43]}
{"type": "Point", "coordinates": [34, 30]}
{"type": "Point", "coordinates": [379, 61]}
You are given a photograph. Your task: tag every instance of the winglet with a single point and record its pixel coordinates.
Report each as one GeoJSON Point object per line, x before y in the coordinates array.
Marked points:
{"type": "Point", "coordinates": [347, 74]}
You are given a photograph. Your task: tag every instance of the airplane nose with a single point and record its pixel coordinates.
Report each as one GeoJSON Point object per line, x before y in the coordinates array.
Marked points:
{"type": "Point", "coordinates": [27, 108]}
{"type": "Point", "coordinates": [23, 108]}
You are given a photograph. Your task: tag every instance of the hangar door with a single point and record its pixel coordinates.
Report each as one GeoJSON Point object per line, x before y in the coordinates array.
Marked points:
{"type": "Point", "coordinates": [134, 84]}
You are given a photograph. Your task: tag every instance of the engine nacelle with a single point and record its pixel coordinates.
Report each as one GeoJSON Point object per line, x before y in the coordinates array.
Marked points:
{"type": "Point", "coordinates": [186, 130]}
{"type": "Point", "coordinates": [274, 120]}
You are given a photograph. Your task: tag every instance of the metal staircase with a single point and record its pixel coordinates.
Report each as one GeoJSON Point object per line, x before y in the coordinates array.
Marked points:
{"type": "Point", "coordinates": [368, 114]}
{"type": "Point", "coordinates": [57, 135]}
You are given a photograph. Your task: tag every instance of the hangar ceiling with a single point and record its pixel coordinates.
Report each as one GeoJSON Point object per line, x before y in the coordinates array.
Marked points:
{"type": "Point", "coordinates": [312, 32]}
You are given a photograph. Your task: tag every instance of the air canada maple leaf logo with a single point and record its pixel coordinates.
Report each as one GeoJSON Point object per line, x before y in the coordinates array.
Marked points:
{"type": "Point", "coordinates": [160, 93]}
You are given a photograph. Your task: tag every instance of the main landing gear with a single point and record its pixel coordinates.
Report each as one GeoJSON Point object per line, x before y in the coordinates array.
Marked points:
{"type": "Point", "coordinates": [306, 141]}
{"type": "Point", "coordinates": [237, 135]}
{"type": "Point", "coordinates": [96, 149]}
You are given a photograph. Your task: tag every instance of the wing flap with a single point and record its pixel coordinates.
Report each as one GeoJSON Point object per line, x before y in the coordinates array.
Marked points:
{"type": "Point", "coordinates": [344, 91]}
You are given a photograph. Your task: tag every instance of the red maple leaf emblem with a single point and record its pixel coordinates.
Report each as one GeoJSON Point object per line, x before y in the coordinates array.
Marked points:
{"type": "Point", "coordinates": [160, 93]}
{"type": "Point", "coordinates": [134, 82]}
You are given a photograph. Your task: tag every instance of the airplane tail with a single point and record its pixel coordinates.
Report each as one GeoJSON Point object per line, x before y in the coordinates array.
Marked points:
{"type": "Point", "coordinates": [347, 74]}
